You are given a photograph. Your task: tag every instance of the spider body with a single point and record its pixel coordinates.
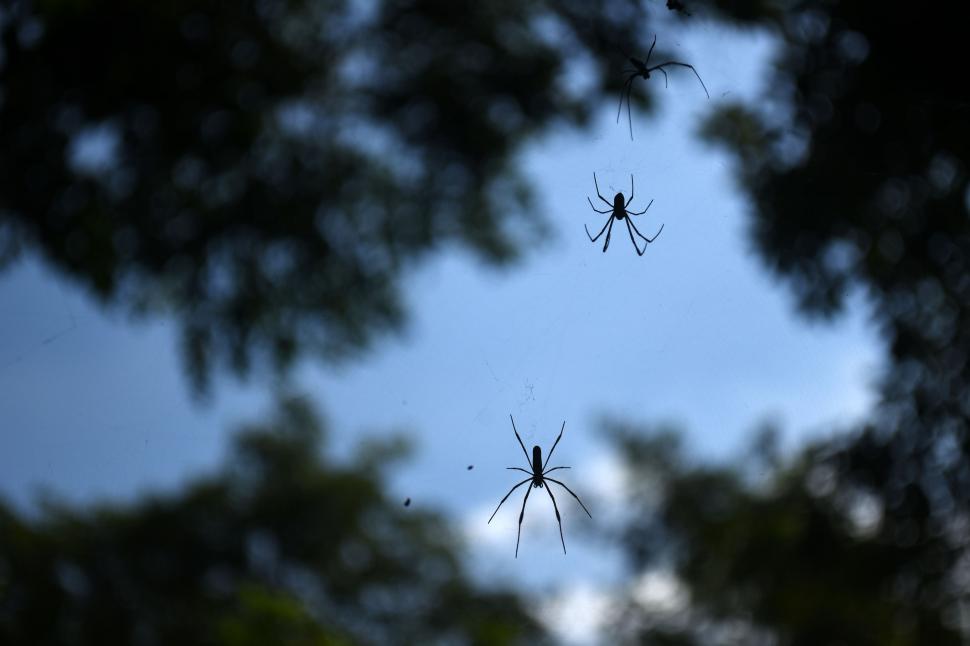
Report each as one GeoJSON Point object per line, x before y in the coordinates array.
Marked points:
{"type": "Point", "coordinates": [642, 69]}
{"type": "Point", "coordinates": [639, 67]}
{"type": "Point", "coordinates": [537, 479]}
{"type": "Point", "coordinates": [619, 206]}
{"type": "Point", "coordinates": [618, 211]}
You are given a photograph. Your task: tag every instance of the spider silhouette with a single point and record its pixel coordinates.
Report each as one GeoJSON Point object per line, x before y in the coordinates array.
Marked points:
{"type": "Point", "coordinates": [641, 68]}
{"type": "Point", "coordinates": [618, 211]}
{"type": "Point", "coordinates": [538, 478]}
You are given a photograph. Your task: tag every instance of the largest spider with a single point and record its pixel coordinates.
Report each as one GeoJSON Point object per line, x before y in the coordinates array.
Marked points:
{"type": "Point", "coordinates": [538, 478]}
{"type": "Point", "coordinates": [618, 211]}
{"type": "Point", "coordinates": [641, 68]}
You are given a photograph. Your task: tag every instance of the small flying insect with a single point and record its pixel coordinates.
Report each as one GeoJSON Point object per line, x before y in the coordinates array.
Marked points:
{"type": "Point", "coordinates": [642, 68]}
{"type": "Point", "coordinates": [618, 211]}
{"type": "Point", "coordinates": [678, 6]}
{"type": "Point", "coordinates": [538, 478]}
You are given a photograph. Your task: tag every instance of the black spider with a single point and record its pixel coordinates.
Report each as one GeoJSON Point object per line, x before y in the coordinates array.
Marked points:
{"type": "Point", "coordinates": [537, 476]}
{"type": "Point", "coordinates": [619, 212]}
{"type": "Point", "coordinates": [640, 68]}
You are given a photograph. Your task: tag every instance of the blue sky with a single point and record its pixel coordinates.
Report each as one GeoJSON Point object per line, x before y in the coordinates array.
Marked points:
{"type": "Point", "coordinates": [95, 406]}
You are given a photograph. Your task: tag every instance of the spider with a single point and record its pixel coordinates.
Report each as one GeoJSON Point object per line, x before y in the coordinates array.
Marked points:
{"type": "Point", "coordinates": [640, 69]}
{"type": "Point", "coordinates": [619, 212]}
{"type": "Point", "coordinates": [538, 477]}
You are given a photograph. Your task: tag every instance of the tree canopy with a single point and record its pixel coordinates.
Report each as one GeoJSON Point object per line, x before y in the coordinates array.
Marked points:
{"type": "Point", "coordinates": [860, 183]}
{"type": "Point", "coordinates": [282, 546]}
{"type": "Point", "coordinates": [264, 171]}
{"type": "Point", "coordinates": [855, 163]}
{"type": "Point", "coordinates": [787, 551]}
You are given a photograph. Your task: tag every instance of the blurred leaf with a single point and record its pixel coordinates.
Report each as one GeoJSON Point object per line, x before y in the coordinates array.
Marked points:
{"type": "Point", "coordinates": [266, 172]}
{"type": "Point", "coordinates": [280, 547]}
{"type": "Point", "coordinates": [807, 559]}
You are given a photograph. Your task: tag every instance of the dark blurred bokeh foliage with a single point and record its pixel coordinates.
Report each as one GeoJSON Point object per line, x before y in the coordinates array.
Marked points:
{"type": "Point", "coordinates": [858, 175]}
{"type": "Point", "coordinates": [782, 551]}
{"type": "Point", "coordinates": [855, 161]}
{"type": "Point", "coordinates": [282, 546]}
{"type": "Point", "coordinates": [263, 172]}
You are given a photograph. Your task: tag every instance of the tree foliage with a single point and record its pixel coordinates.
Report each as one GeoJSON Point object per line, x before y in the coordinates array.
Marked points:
{"type": "Point", "coordinates": [280, 547]}
{"type": "Point", "coordinates": [855, 162]}
{"type": "Point", "coordinates": [859, 181]}
{"type": "Point", "coordinates": [788, 552]}
{"type": "Point", "coordinates": [264, 171]}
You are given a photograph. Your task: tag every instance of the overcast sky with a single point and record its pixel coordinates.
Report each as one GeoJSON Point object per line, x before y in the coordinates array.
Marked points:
{"type": "Point", "coordinates": [94, 406]}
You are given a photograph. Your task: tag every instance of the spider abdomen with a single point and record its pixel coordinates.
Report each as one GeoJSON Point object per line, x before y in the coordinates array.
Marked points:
{"type": "Point", "coordinates": [536, 460]}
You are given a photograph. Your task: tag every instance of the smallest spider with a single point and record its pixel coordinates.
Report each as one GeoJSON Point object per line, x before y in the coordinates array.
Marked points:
{"type": "Point", "coordinates": [643, 68]}
{"type": "Point", "coordinates": [618, 211]}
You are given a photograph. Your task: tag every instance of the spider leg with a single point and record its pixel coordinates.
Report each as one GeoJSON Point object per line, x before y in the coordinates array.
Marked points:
{"type": "Point", "coordinates": [647, 62]}
{"type": "Point", "coordinates": [631, 192]}
{"type": "Point", "coordinates": [572, 494]}
{"type": "Point", "coordinates": [553, 469]}
{"type": "Point", "coordinates": [661, 66]}
{"type": "Point", "coordinates": [554, 444]}
{"type": "Point", "coordinates": [633, 240]}
{"type": "Point", "coordinates": [591, 238]}
{"type": "Point", "coordinates": [627, 84]}
{"type": "Point", "coordinates": [521, 516]}
{"type": "Point", "coordinates": [558, 519]}
{"type": "Point", "coordinates": [527, 460]}
{"type": "Point", "coordinates": [519, 469]}
{"type": "Point", "coordinates": [609, 232]}
{"type": "Point", "coordinates": [640, 212]}
{"type": "Point", "coordinates": [506, 497]}
{"type": "Point", "coordinates": [629, 116]}
{"type": "Point", "coordinates": [593, 207]}
{"type": "Point", "coordinates": [609, 204]}
{"type": "Point", "coordinates": [645, 237]}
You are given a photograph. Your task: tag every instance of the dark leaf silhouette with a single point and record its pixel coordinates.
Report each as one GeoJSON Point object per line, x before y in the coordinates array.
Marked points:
{"type": "Point", "coordinates": [281, 547]}
{"type": "Point", "coordinates": [794, 554]}
{"type": "Point", "coordinates": [864, 186]}
{"type": "Point", "coordinates": [265, 171]}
